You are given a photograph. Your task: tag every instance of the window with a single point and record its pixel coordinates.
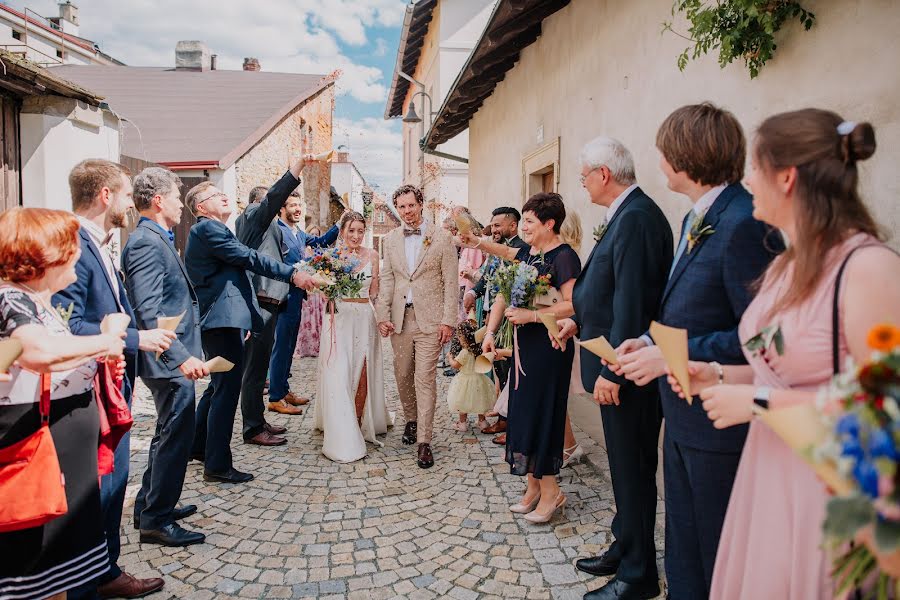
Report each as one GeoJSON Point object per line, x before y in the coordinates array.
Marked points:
{"type": "Point", "coordinates": [380, 217]}
{"type": "Point", "coordinates": [59, 53]}
{"type": "Point", "coordinates": [17, 35]}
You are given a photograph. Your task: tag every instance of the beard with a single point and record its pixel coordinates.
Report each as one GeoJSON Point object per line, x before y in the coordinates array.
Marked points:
{"type": "Point", "coordinates": [118, 219]}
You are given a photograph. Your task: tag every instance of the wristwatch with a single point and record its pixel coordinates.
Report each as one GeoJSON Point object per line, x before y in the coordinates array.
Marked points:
{"type": "Point", "coordinates": [761, 397]}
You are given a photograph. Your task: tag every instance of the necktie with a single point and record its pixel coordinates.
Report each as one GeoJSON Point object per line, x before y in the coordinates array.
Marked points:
{"type": "Point", "coordinates": [409, 232]}
{"type": "Point", "coordinates": [682, 244]}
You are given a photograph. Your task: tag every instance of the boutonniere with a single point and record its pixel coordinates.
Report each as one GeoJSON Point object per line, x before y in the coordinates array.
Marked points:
{"type": "Point", "coordinates": [697, 232]}
{"type": "Point", "coordinates": [599, 231]}
{"type": "Point", "coordinates": [65, 313]}
{"type": "Point", "coordinates": [763, 340]}
{"type": "Point", "coordinates": [426, 241]}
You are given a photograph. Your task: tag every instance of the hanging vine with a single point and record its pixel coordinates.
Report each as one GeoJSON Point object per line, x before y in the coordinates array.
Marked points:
{"type": "Point", "coordinates": [739, 29]}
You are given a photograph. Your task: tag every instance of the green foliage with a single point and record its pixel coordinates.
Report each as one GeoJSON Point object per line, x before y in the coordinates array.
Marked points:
{"type": "Point", "coordinates": [742, 29]}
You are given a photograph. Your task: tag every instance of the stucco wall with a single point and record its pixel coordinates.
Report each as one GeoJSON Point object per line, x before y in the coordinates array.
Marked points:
{"type": "Point", "coordinates": [56, 134]}
{"type": "Point", "coordinates": [268, 160]}
{"type": "Point", "coordinates": [602, 68]}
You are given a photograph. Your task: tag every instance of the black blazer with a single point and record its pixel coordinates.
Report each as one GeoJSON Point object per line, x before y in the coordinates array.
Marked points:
{"type": "Point", "coordinates": [622, 282]}
{"type": "Point", "coordinates": [158, 286]}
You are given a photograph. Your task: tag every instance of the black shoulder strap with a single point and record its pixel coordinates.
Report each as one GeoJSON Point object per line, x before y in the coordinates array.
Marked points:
{"type": "Point", "coordinates": [835, 318]}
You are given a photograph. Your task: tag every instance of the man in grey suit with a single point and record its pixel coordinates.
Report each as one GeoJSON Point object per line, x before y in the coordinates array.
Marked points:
{"type": "Point", "coordinates": [158, 286]}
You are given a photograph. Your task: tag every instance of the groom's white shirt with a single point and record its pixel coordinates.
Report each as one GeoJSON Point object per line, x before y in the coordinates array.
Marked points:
{"type": "Point", "coordinates": [412, 244]}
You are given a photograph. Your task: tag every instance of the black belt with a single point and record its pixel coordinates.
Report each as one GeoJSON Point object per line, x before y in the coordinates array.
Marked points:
{"type": "Point", "coordinates": [267, 300]}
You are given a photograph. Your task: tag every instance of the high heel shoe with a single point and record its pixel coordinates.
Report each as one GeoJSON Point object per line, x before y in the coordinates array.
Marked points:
{"type": "Point", "coordinates": [536, 517]}
{"type": "Point", "coordinates": [572, 455]}
{"type": "Point", "coordinates": [522, 508]}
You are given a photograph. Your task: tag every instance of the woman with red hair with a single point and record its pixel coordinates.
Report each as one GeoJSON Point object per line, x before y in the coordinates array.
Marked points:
{"type": "Point", "coordinates": [38, 251]}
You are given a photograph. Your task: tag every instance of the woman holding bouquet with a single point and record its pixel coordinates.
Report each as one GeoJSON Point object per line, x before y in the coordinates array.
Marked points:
{"type": "Point", "coordinates": [539, 379]}
{"type": "Point", "coordinates": [350, 407]}
{"type": "Point", "coordinates": [797, 333]}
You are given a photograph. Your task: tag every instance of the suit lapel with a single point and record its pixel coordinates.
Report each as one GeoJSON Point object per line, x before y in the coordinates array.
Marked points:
{"type": "Point", "coordinates": [634, 194]}
{"type": "Point", "coordinates": [398, 247]}
{"type": "Point", "coordinates": [96, 252]}
{"type": "Point", "coordinates": [712, 219]}
{"type": "Point", "coordinates": [171, 247]}
{"type": "Point", "coordinates": [426, 231]}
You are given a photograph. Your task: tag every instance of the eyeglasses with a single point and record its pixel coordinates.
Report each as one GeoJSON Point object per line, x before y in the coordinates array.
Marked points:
{"type": "Point", "coordinates": [210, 197]}
{"type": "Point", "coordinates": [586, 175]}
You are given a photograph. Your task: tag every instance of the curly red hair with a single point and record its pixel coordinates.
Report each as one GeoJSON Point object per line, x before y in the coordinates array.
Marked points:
{"type": "Point", "coordinates": [33, 240]}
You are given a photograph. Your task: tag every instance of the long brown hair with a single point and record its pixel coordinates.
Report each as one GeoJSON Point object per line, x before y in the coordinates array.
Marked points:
{"type": "Point", "coordinates": [828, 209]}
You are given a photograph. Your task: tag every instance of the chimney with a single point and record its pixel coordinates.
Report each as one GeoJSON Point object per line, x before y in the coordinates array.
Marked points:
{"type": "Point", "coordinates": [212, 61]}
{"type": "Point", "coordinates": [343, 156]}
{"type": "Point", "coordinates": [68, 17]}
{"type": "Point", "coordinates": [251, 64]}
{"type": "Point", "coordinates": [191, 55]}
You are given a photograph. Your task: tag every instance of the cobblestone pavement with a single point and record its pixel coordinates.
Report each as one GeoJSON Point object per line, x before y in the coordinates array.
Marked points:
{"type": "Point", "coordinates": [377, 528]}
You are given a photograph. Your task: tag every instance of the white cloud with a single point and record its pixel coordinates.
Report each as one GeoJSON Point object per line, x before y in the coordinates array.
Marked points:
{"type": "Point", "coordinates": [381, 47]}
{"type": "Point", "coordinates": [300, 36]}
{"type": "Point", "coordinates": [376, 147]}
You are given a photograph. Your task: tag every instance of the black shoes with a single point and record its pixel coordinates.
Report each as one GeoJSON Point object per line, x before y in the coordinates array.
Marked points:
{"type": "Point", "coordinates": [172, 535]}
{"type": "Point", "coordinates": [198, 456]}
{"type": "Point", "coordinates": [621, 590]}
{"type": "Point", "coordinates": [177, 514]}
{"type": "Point", "coordinates": [450, 372]}
{"type": "Point", "coordinates": [600, 566]}
{"type": "Point", "coordinates": [426, 458]}
{"type": "Point", "coordinates": [410, 432]}
{"type": "Point", "coordinates": [230, 476]}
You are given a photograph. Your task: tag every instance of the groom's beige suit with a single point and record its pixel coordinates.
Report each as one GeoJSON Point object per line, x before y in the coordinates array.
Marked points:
{"type": "Point", "coordinates": [418, 293]}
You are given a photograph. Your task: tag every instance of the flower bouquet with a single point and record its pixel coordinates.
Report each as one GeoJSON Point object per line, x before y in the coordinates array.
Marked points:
{"type": "Point", "coordinates": [334, 272]}
{"type": "Point", "coordinates": [863, 417]}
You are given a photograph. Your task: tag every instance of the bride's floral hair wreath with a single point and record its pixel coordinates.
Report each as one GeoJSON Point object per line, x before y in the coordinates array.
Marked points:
{"type": "Point", "coordinates": [466, 331]}
{"type": "Point", "coordinates": [351, 217]}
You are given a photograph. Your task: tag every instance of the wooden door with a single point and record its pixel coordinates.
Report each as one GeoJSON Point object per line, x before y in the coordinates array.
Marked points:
{"type": "Point", "coordinates": [10, 155]}
{"type": "Point", "coordinates": [187, 218]}
{"type": "Point", "coordinates": [547, 181]}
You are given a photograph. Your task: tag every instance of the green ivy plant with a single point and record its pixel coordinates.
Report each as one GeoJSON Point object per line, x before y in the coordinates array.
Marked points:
{"type": "Point", "coordinates": [742, 29]}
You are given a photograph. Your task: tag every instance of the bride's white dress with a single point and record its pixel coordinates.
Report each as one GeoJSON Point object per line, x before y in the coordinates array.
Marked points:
{"type": "Point", "coordinates": [347, 342]}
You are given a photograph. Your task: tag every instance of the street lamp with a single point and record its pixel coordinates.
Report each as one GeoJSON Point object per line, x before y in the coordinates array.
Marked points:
{"type": "Point", "coordinates": [411, 116]}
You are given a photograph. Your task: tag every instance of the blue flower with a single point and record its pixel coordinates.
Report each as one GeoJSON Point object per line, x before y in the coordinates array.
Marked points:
{"type": "Point", "coordinates": [848, 425]}
{"type": "Point", "coordinates": [882, 444]}
{"type": "Point", "coordinates": [851, 447]}
{"type": "Point", "coordinates": [867, 476]}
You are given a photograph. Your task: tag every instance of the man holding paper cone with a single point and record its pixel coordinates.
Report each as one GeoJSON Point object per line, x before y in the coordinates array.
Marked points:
{"type": "Point", "coordinates": [101, 196]}
{"type": "Point", "coordinates": [723, 250]}
{"type": "Point", "coordinates": [161, 293]}
{"type": "Point", "coordinates": [616, 296]}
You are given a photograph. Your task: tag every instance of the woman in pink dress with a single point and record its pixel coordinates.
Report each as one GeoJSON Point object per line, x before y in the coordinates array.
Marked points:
{"type": "Point", "coordinates": [310, 317]}
{"type": "Point", "coordinates": [804, 181]}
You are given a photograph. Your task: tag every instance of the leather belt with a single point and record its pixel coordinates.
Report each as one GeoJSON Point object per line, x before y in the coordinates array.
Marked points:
{"type": "Point", "coordinates": [357, 300]}
{"type": "Point", "coordinates": [268, 300]}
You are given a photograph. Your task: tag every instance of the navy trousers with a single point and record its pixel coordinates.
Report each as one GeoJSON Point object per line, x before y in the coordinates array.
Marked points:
{"type": "Point", "coordinates": [169, 452]}
{"type": "Point", "coordinates": [286, 330]}
{"type": "Point", "coordinates": [218, 405]}
{"type": "Point", "coordinates": [698, 486]}
{"type": "Point", "coordinates": [257, 353]}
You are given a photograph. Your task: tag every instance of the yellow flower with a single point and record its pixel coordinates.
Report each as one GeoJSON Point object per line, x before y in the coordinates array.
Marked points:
{"type": "Point", "coordinates": [883, 337]}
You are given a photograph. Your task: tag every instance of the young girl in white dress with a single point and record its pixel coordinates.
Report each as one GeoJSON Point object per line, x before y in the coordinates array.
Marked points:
{"type": "Point", "coordinates": [350, 408]}
{"type": "Point", "coordinates": [470, 391]}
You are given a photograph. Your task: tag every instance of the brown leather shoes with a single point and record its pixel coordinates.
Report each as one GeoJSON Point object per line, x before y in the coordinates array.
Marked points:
{"type": "Point", "coordinates": [264, 438]}
{"type": "Point", "coordinates": [500, 439]}
{"type": "Point", "coordinates": [126, 586]}
{"type": "Point", "coordinates": [498, 427]}
{"type": "Point", "coordinates": [274, 429]}
{"type": "Point", "coordinates": [293, 400]}
{"type": "Point", "coordinates": [426, 458]}
{"type": "Point", "coordinates": [280, 406]}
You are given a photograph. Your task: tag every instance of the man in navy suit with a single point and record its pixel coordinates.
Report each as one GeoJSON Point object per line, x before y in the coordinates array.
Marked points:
{"type": "Point", "coordinates": [101, 196]}
{"type": "Point", "coordinates": [723, 250]}
{"type": "Point", "coordinates": [293, 247]}
{"type": "Point", "coordinates": [217, 265]}
{"type": "Point", "coordinates": [158, 286]}
{"type": "Point", "coordinates": [617, 295]}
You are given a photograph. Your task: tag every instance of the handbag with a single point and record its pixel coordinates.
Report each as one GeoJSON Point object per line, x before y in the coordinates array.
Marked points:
{"type": "Point", "coordinates": [115, 417]}
{"type": "Point", "coordinates": [32, 486]}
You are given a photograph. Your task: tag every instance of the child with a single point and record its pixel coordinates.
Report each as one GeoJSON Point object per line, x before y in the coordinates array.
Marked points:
{"type": "Point", "coordinates": [469, 391]}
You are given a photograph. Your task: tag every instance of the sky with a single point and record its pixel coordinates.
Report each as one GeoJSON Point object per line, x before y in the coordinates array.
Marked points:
{"type": "Point", "coordinates": [359, 37]}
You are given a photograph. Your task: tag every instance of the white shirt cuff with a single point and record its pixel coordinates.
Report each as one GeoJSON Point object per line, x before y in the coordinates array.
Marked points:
{"type": "Point", "coordinates": [647, 340]}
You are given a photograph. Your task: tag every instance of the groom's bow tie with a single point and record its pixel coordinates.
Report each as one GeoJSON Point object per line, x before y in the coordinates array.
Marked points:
{"type": "Point", "coordinates": [409, 232]}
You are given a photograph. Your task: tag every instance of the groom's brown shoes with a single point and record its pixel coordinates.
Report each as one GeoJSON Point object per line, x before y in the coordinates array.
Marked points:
{"type": "Point", "coordinates": [293, 400]}
{"type": "Point", "coordinates": [410, 432]}
{"type": "Point", "coordinates": [426, 458]}
{"type": "Point", "coordinates": [280, 406]}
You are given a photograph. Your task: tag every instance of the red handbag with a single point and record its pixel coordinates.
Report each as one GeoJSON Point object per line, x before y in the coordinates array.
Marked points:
{"type": "Point", "coordinates": [115, 417]}
{"type": "Point", "coordinates": [32, 487]}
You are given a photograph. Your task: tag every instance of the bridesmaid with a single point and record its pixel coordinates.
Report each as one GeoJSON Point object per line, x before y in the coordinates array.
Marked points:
{"type": "Point", "coordinates": [804, 180]}
{"type": "Point", "coordinates": [537, 405]}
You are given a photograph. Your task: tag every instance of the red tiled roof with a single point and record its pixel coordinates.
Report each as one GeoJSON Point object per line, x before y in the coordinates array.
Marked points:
{"type": "Point", "coordinates": [194, 116]}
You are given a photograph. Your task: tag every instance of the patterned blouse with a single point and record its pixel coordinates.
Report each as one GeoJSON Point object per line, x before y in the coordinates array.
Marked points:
{"type": "Point", "coordinates": [17, 308]}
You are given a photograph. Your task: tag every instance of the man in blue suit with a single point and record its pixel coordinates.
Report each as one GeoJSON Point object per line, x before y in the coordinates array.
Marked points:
{"type": "Point", "coordinates": [617, 295]}
{"type": "Point", "coordinates": [101, 196]}
{"type": "Point", "coordinates": [723, 250]}
{"type": "Point", "coordinates": [158, 286]}
{"type": "Point", "coordinates": [217, 265]}
{"type": "Point", "coordinates": [293, 247]}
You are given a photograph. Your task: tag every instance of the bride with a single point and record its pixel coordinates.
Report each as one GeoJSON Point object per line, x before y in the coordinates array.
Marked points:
{"type": "Point", "coordinates": [350, 407]}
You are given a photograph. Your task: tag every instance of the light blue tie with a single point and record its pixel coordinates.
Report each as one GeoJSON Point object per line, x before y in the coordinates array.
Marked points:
{"type": "Point", "coordinates": [682, 244]}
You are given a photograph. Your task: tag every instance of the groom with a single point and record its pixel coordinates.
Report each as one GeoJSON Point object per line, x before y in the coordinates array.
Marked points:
{"type": "Point", "coordinates": [420, 270]}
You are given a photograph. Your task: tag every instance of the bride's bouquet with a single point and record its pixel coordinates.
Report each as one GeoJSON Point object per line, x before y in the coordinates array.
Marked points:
{"type": "Point", "coordinates": [335, 274]}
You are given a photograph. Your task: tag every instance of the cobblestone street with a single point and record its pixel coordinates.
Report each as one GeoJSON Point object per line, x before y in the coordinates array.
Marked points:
{"type": "Point", "coordinates": [378, 528]}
